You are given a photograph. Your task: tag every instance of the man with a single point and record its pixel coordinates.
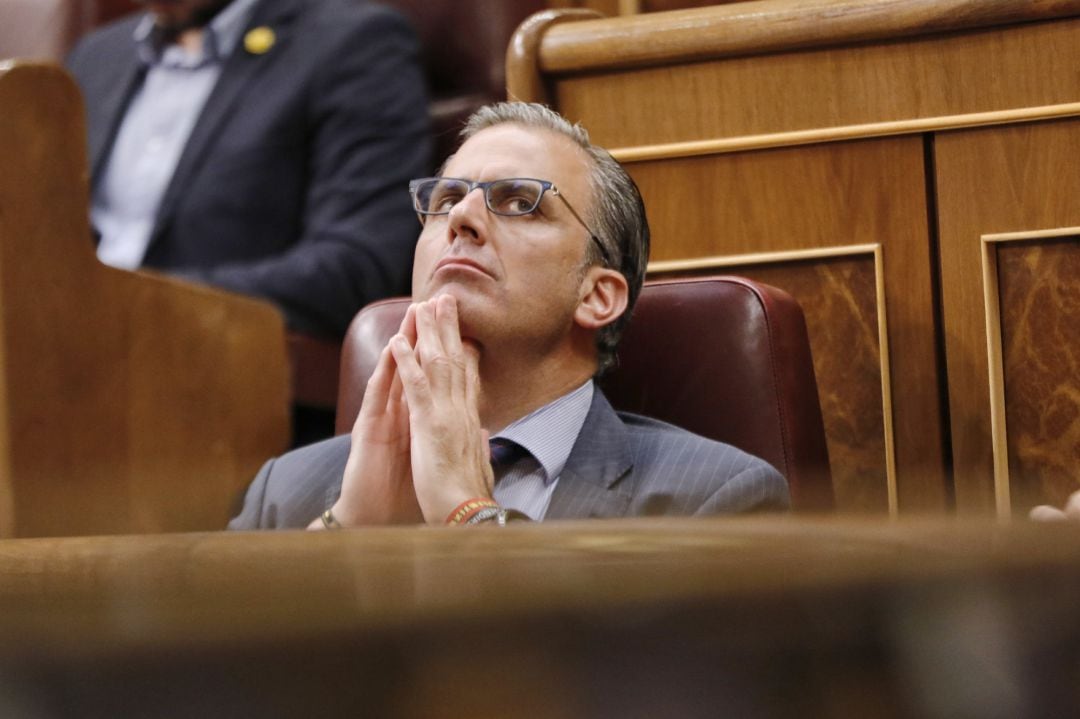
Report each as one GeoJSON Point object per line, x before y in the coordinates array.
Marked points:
{"type": "Point", "coordinates": [521, 289]}
{"type": "Point", "coordinates": [260, 146]}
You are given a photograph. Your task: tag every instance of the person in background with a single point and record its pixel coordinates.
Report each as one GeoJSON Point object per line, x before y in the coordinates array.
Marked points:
{"type": "Point", "coordinates": [259, 146]}
{"type": "Point", "coordinates": [483, 407]}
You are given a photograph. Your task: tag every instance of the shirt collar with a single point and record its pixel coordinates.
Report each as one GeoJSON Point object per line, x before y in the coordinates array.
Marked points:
{"type": "Point", "coordinates": [549, 433]}
{"type": "Point", "coordinates": [219, 40]}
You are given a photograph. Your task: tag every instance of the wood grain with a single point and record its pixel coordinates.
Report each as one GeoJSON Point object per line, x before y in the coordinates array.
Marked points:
{"type": "Point", "coordinates": [738, 120]}
{"type": "Point", "coordinates": [841, 194]}
{"type": "Point", "coordinates": [919, 78]}
{"type": "Point", "coordinates": [1002, 180]}
{"type": "Point", "coordinates": [1040, 297]}
{"type": "Point", "coordinates": [130, 402]}
{"type": "Point", "coordinates": [754, 28]}
{"type": "Point", "coordinates": [837, 295]}
{"type": "Point", "coordinates": [625, 617]}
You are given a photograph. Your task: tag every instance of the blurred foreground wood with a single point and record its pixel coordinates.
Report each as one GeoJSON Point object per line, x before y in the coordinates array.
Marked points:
{"type": "Point", "coordinates": [628, 618]}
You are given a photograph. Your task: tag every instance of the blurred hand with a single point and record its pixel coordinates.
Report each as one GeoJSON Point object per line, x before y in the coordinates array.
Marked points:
{"type": "Point", "coordinates": [1071, 510]}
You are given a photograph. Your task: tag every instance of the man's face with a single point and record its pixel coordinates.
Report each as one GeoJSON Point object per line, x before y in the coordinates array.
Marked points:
{"type": "Point", "coordinates": [175, 16]}
{"type": "Point", "coordinates": [516, 279]}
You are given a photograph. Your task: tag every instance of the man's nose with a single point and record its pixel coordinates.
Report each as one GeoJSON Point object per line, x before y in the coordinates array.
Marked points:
{"type": "Point", "coordinates": [469, 214]}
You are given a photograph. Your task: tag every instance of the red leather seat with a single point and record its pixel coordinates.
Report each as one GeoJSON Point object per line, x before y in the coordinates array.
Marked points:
{"type": "Point", "coordinates": [725, 357]}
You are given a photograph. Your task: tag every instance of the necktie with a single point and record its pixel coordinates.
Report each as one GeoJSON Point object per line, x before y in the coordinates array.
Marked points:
{"type": "Point", "coordinates": [505, 452]}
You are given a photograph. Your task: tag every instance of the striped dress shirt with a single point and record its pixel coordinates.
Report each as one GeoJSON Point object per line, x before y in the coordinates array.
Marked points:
{"type": "Point", "coordinates": [547, 435]}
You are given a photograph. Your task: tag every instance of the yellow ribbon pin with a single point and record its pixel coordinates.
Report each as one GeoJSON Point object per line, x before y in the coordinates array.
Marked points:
{"type": "Point", "coordinates": [259, 40]}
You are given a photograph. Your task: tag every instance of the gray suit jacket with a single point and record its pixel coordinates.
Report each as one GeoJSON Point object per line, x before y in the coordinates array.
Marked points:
{"type": "Point", "coordinates": [622, 465]}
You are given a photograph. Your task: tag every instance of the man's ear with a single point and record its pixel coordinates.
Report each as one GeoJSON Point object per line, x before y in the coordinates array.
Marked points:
{"type": "Point", "coordinates": [604, 296]}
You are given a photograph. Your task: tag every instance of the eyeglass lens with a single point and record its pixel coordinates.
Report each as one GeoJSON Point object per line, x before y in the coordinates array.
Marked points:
{"type": "Point", "coordinates": [503, 197]}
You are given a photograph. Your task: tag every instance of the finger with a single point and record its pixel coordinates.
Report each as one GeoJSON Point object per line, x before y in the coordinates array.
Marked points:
{"type": "Point", "coordinates": [414, 381]}
{"type": "Point", "coordinates": [446, 317]}
{"type": "Point", "coordinates": [1046, 513]}
{"type": "Point", "coordinates": [377, 391]}
{"type": "Point", "coordinates": [408, 324]}
{"type": "Point", "coordinates": [446, 320]}
{"type": "Point", "coordinates": [485, 466]}
{"type": "Point", "coordinates": [396, 393]}
{"type": "Point", "coordinates": [397, 407]}
{"type": "Point", "coordinates": [485, 439]}
{"type": "Point", "coordinates": [472, 377]}
{"type": "Point", "coordinates": [1072, 506]}
{"type": "Point", "coordinates": [429, 349]}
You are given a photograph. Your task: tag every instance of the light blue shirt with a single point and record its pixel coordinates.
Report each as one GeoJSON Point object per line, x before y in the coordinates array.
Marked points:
{"type": "Point", "coordinates": [548, 434]}
{"type": "Point", "coordinates": [155, 128]}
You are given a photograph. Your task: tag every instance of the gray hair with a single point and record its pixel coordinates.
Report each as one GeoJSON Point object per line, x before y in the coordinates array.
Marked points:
{"type": "Point", "coordinates": [617, 214]}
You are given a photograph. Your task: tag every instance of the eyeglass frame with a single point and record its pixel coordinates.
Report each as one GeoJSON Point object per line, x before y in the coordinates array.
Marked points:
{"type": "Point", "coordinates": [545, 185]}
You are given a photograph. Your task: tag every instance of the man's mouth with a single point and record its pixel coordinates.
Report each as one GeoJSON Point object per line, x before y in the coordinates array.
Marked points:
{"type": "Point", "coordinates": [462, 264]}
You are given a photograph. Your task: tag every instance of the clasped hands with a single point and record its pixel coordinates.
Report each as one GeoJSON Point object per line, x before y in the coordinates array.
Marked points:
{"type": "Point", "coordinates": [418, 450]}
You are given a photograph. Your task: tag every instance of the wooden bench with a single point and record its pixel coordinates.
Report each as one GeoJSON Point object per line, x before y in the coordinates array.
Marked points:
{"type": "Point", "coordinates": [129, 402]}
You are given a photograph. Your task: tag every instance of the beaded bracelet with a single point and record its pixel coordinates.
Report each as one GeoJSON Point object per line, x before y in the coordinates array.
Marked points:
{"type": "Point", "coordinates": [485, 514]}
{"type": "Point", "coordinates": [464, 511]}
{"type": "Point", "coordinates": [499, 516]}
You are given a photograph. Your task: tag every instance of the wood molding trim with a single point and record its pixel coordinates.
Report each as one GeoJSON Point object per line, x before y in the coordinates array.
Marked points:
{"type": "Point", "coordinates": [752, 28]}
{"type": "Point", "coordinates": [727, 262]}
{"type": "Point", "coordinates": [994, 351]}
{"type": "Point", "coordinates": [720, 146]}
{"type": "Point", "coordinates": [524, 81]}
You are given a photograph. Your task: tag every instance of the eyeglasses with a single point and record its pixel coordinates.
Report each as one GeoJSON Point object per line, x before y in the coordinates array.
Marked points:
{"type": "Point", "coordinates": [510, 197]}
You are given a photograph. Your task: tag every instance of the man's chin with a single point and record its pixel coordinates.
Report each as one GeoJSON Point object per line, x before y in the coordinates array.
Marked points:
{"type": "Point", "coordinates": [462, 292]}
{"type": "Point", "coordinates": [470, 306]}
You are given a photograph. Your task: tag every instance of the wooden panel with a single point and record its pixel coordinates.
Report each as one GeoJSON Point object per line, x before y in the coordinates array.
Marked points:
{"type": "Point", "coordinates": [609, 8]}
{"type": "Point", "coordinates": [1018, 179]}
{"type": "Point", "coordinates": [723, 87]}
{"type": "Point", "coordinates": [627, 7]}
{"type": "Point", "coordinates": [1027, 66]}
{"type": "Point", "coordinates": [843, 194]}
{"type": "Point", "coordinates": [839, 299]}
{"type": "Point", "coordinates": [635, 618]}
{"type": "Point", "coordinates": [686, 36]}
{"type": "Point", "coordinates": [1039, 290]}
{"type": "Point", "coordinates": [129, 401]}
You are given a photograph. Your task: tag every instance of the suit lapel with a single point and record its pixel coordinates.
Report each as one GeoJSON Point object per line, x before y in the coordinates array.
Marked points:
{"type": "Point", "coordinates": [125, 76]}
{"type": "Point", "coordinates": [240, 69]}
{"type": "Point", "coordinates": [591, 482]}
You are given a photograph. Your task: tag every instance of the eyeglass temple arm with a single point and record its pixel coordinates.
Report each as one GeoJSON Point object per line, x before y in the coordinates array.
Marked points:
{"type": "Point", "coordinates": [592, 235]}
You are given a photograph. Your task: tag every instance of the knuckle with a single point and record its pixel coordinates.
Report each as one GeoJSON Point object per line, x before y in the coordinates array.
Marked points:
{"type": "Point", "coordinates": [440, 362]}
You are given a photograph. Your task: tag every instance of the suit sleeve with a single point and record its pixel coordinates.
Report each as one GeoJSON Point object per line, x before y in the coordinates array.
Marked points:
{"type": "Point", "coordinates": [368, 119]}
{"type": "Point", "coordinates": [293, 489]}
{"type": "Point", "coordinates": [757, 488]}
{"type": "Point", "coordinates": [250, 516]}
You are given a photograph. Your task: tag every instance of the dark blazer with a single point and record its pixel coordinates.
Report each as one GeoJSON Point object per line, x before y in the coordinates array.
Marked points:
{"type": "Point", "coordinates": [622, 465]}
{"type": "Point", "coordinates": [294, 183]}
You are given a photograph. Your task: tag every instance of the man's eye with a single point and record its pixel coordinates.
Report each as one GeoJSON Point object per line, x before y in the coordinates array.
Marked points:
{"type": "Point", "coordinates": [444, 201]}
{"type": "Point", "coordinates": [515, 204]}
